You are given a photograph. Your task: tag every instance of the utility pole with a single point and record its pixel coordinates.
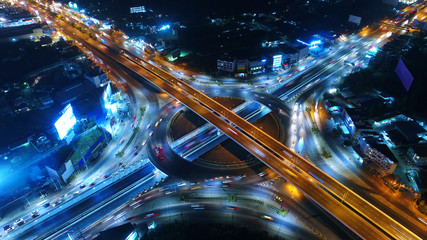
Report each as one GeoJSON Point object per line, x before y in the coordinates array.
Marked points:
{"type": "Point", "coordinates": [84, 159]}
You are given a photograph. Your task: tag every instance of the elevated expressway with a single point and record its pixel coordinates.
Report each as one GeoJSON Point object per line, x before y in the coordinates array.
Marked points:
{"type": "Point", "coordinates": [364, 219]}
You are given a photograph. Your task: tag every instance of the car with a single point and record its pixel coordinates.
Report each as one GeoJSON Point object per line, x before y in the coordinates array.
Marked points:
{"type": "Point", "coordinates": [410, 177]}
{"type": "Point", "coordinates": [279, 198]}
{"type": "Point", "coordinates": [161, 157]}
{"type": "Point", "coordinates": [134, 148]}
{"type": "Point", "coordinates": [143, 142]}
{"type": "Point", "coordinates": [233, 208]}
{"type": "Point", "coordinates": [92, 184]}
{"type": "Point", "coordinates": [136, 153]}
{"type": "Point", "coordinates": [82, 186]}
{"type": "Point", "coordinates": [57, 203]}
{"type": "Point", "coordinates": [157, 124]}
{"type": "Point", "coordinates": [46, 205]}
{"type": "Point", "coordinates": [76, 193]}
{"type": "Point", "coordinates": [106, 176]}
{"type": "Point", "coordinates": [150, 215]}
{"type": "Point", "coordinates": [267, 217]}
{"type": "Point", "coordinates": [35, 214]}
{"type": "Point", "coordinates": [19, 222]}
{"type": "Point", "coordinates": [148, 126]}
{"type": "Point", "coordinates": [122, 141]}
{"type": "Point", "coordinates": [8, 228]}
{"type": "Point", "coordinates": [151, 133]}
{"type": "Point", "coordinates": [131, 126]}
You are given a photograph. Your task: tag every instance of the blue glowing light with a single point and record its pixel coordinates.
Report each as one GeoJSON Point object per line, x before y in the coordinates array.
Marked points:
{"type": "Point", "coordinates": [164, 27]}
{"type": "Point", "coordinates": [65, 122]}
{"type": "Point", "coordinates": [302, 42]}
{"type": "Point", "coordinates": [316, 42]}
{"type": "Point", "coordinates": [132, 236]}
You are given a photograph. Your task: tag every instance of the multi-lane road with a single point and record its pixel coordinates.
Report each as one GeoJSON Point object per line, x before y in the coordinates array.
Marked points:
{"type": "Point", "coordinates": [266, 148]}
{"type": "Point", "coordinates": [363, 218]}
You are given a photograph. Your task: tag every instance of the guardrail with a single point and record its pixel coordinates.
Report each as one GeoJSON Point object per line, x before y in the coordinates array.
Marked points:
{"type": "Point", "coordinates": [204, 127]}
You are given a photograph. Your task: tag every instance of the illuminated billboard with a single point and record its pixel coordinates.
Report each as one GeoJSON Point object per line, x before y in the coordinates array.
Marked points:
{"type": "Point", "coordinates": [65, 122]}
{"type": "Point", "coordinates": [354, 19]}
{"type": "Point", "coordinates": [277, 61]}
{"type": "Point", "coordinates": [404, 75]}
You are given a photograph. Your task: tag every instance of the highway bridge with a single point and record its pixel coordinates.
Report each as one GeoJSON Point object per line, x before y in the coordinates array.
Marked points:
{"type": "Point", "coordinates": [364, 219]}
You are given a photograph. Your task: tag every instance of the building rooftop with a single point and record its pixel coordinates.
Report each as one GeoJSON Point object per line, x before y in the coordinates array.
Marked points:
{"type": "Point", "coordinates": [382, 148]}
{"type": "Point", "coordinates": [420, 150]}
{"type": "Point", "coordinates": [409, 129]}
{"type": "Point", "coordinates": [116, 233]}
{"type": "Point", "coordinates": [18, 31]}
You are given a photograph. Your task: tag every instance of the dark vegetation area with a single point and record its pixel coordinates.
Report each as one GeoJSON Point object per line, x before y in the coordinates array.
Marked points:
{"type": "Point", "coordinates": [189, 231]}
{"type": "Point", "coordinates": [24, 57]}
{"type": "Point", "coordinates": [381, 75]}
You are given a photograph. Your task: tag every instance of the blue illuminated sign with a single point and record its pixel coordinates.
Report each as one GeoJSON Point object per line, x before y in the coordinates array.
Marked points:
{"type": "Point", "coordinates": [315, 42]}
{"type": "Point", "coordinates": [277, 61]}
{"type": "Point", "coordinates": [164, 27]}
{"type": "Point", "coordinates": [65, 122]}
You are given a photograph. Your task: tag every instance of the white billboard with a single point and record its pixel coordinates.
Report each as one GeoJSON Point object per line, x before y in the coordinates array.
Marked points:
{"type": "Point", "coordinates": [65, 122]}
{"type": "Point", "coordinates": [354, 19]}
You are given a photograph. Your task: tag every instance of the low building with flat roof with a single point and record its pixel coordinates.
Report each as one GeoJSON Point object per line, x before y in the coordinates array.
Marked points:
{"type": "Point", "coordinates": [418, 154]}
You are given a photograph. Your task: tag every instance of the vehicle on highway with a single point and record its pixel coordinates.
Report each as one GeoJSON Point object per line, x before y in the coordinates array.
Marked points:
{"type": "Point", "coordinates": [148, 126]}
{"type": "Point", "coordinates": [82, 186]}
{"type": "Point", "coordinates": [150, 215]}
{"type": "Point", "coordinates": [136, 153]}
{"type": "Point", "coordinates": [151, 133]}
{"type": "Point", "coordinates": [410, 177]}
{"type": "Point", "coordinates": [233, 208]}
{"type": "Point", "coordinates": [8, 228]}
{"type": "Point", "coordinates": [19, 222]}
{"type": "Point", "coordinates": [136, 147]}
{"type": "Point", "coordinates": [122, 141]}
{"type": "Point", "coordinates": [35, 214]}
{"type": "Point", "coordinates": [143, 142]}
{"type": "Point", "coordinates": [46, 205]}
{"type": "Point", "coordinates": [57, 203]}
{"type": "Point", "coordinates": [92, 184]}
{"type": "Point", "coordinates": [267, 217]}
